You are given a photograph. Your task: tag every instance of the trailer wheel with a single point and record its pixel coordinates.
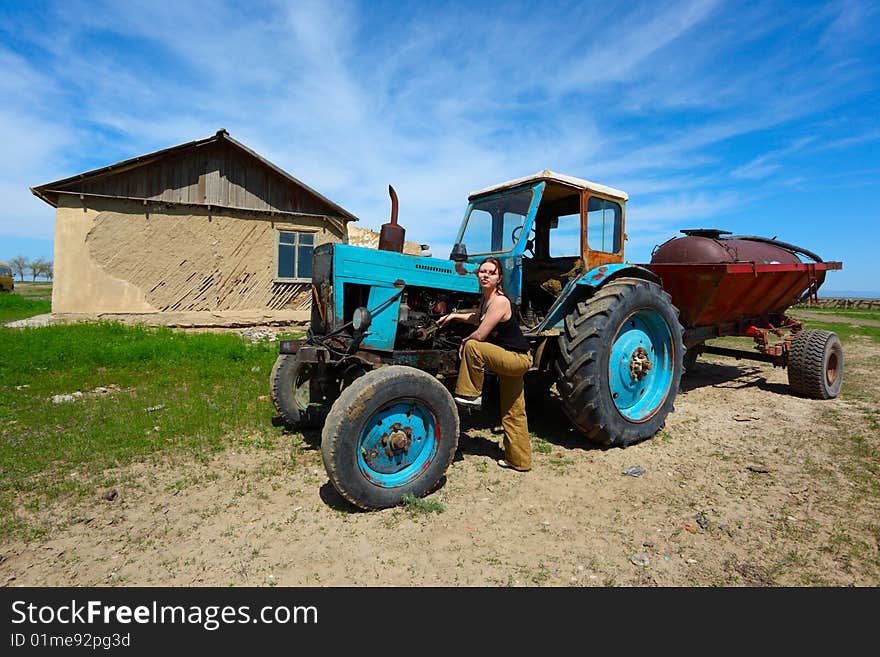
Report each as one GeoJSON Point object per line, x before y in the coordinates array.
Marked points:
{"type": "Point", "coordinates": [690, 358]}
{"type": "Point", "coordinates": [620, 362]}
{"type": "Point", "coordinates": [815, 364]}
{"type": "Point", "coordinates": [392, 432]}
{"type": "Point", "coordinates": [290, 384]}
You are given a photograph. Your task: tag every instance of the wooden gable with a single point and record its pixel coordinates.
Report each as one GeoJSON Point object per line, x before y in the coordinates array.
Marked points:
{"type": "Point", "coordinates": [217, 171]}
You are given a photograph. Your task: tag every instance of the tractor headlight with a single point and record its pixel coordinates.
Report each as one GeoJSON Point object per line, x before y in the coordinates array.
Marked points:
{"type": "Point", "coordinates": [361, 319]}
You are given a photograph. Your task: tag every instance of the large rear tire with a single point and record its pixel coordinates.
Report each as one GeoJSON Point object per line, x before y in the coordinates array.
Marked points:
{"type": "Point", "coordinates": [815, 364]}
{"type": "Point", "coordinates": [620, 362]}
{"type": "Point", "coordinates": [392, 432]}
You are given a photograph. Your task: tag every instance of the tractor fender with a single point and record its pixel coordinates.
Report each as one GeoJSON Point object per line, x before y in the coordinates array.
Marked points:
{"type": "Point", "coordinates": [584, 286]}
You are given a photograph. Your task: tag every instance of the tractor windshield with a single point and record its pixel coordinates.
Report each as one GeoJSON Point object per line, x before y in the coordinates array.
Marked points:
{"type": "Point", "coordinates": [494, 225]}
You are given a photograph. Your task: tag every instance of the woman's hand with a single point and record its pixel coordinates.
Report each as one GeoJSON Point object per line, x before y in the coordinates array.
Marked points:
{"type": "Point", "coordinates": [461, 349]}
{"type": "Point", "coordinates": [444, 319]}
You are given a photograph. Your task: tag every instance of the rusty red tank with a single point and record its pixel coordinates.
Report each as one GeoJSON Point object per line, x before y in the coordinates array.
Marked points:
{"type": "Point", "coordinates": [707, 245]}
{"type": "Point", "coordinates": [715, 279]}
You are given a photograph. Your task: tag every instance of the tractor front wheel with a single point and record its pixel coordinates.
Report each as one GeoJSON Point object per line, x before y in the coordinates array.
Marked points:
{"type": "Point", "coordinates": [620, 362]}
{"type": "Point", "coordinates": [290, 385]}
{"type": "Point", "coordinates": [392, 432]}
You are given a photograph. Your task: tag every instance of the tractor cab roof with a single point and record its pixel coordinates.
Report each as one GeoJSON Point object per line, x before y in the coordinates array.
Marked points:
{"type": "Point", "coordinates": [553, 178]}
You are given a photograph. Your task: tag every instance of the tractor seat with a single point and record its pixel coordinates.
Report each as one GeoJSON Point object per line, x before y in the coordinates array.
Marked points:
{"type": "Point", "coordinates": [550, 274]}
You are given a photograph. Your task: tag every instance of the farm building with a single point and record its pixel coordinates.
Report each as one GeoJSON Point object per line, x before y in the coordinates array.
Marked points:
{"type": "Point", "coordinates": [203, 233]}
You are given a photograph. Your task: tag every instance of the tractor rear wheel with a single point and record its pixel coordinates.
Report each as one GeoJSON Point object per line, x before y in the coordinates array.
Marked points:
{"type": "Point", "coordinates": [815, 364]}
{"type": "Point", "coordinates": [620, 362]}
{"type": "Point", "coordinates": [392, 432]}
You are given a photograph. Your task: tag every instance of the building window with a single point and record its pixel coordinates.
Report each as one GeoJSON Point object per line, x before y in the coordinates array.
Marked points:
{"type": "Point", "coordinates": [295, 255]}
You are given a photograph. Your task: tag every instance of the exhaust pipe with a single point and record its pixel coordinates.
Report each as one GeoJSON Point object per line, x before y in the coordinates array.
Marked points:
{"type": "Point", "coordinates": [391, 236]}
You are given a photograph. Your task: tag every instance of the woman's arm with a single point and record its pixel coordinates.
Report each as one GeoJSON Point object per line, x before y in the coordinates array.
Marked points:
{"type": "Point", "coordinates": [496, 311]}
{"type": "Point", "coordinates": [471, 316]}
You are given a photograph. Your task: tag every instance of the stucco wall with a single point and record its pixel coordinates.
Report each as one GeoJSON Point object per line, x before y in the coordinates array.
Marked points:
{"type": "Point", "coordinates": [114, 256]}
{"type": "Point", "coordinates": [81, 284]}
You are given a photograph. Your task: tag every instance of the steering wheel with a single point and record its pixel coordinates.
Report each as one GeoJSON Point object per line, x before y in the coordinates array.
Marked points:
{"type": "Point", "coordinates": [530, 244]}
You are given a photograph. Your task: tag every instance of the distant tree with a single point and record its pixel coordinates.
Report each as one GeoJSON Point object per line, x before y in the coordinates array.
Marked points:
{"type": "Point", "coordinates": [37, 267]}
{"type": "Point", "coordinates": [18, 265]}
{"type": "Point", "coordinates": [44, 267]}
{"type": "Point", "coordinates": [49, 270]}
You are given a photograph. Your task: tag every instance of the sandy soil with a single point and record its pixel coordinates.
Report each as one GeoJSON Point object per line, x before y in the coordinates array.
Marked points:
{"type": "Point", "coordinates": [746, 486]}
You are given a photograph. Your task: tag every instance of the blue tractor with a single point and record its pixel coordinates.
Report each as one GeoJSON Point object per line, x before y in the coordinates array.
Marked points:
{"type": "Point", "coordinates": [376, 373]}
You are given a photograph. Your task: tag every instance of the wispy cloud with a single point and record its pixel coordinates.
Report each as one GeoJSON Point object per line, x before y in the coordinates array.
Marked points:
{"type": "Point", "coordinates": [689, 105]}
{"type": "Point", "coordinates": [764, 165]}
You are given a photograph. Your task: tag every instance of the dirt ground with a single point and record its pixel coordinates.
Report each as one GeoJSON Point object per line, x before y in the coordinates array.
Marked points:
{"type": "Point", "coordinates": [747, 485]}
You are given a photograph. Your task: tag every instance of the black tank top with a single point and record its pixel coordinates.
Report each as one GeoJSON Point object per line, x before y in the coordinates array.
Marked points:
{"type": "Point", "coordinates": [507, 334]}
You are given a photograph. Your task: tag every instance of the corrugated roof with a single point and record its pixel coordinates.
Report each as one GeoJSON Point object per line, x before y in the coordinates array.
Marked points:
{"type": "Point", "coordinates": [552, 176]}
{"type": "Point", "coordinates": [44, 190]}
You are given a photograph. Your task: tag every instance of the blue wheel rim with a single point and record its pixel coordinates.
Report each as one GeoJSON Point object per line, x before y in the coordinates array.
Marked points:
{"type": "Point", "coordinates": [640, 365]}
{"type": "Point", "coordinates": [397, 443]}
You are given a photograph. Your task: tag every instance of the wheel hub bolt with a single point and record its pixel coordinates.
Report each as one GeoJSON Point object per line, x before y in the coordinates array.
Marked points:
{"type": "Point", "coordinates": [400, 440]}
{"type": "Point", "coordinates": [640, 364]}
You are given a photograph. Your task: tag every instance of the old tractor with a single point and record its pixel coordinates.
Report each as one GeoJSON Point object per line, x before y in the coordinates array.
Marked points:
{"type": "Point", "coordinates": [376, 372]}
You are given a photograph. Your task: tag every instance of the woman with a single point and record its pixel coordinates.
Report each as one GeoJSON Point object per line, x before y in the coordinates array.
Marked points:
{"type": "Point", "coordinates": [496, 343]}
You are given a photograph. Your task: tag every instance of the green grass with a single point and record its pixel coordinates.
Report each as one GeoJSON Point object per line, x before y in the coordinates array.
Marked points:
{"type": "Point", "coordinates": [15, 306]}
{"type": "Point", "coordinates": [846, 331]}
{"type": "Point", "coordinates": [37, 290]}
{"type": "Point", "coordinates": [415, 504]}
{"type": "Point", "coordinates": [540, 445]}
{"type": "Point", "coordinates": [852, 313]}
{"type": "Point", "coordinates": [207, 385]}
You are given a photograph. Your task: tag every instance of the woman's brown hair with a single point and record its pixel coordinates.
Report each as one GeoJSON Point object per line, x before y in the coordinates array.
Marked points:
{"type": "Point", "coordinates": [495, 261]}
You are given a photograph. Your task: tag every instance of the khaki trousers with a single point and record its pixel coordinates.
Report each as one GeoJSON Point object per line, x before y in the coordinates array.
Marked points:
{"type": "Point", "coordinates": [510, 368]}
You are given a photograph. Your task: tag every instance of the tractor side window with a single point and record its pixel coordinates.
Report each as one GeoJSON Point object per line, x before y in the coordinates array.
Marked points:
{"type": "Point", "coordinates": [294, 255]}
{"type": "Point", "coordinates": [493, 222]}
{"type": "Point", "coordinates": [565, 237]}
{"type": "Point", "coordinates": [603, 225]}
{"type": "Point", "coordinates": [478, 235]}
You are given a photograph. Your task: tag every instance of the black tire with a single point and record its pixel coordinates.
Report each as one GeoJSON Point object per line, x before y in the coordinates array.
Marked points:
{"type": "Point", "coordinates": [690, 358]}
{"type": "Point", "coordinates": [584, 379]}
{"type": "Point", "coordinates": [815, 364]}
{"type": "Point", "coordinates": [289, 384]}
{"type": "Point", "coordinates": [349, 437]}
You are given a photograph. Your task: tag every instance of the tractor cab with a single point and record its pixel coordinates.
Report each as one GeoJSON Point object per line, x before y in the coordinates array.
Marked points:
{"type": "Point", "coordinates": [546, 229]}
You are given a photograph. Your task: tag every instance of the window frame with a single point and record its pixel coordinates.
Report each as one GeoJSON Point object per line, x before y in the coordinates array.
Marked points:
{"type": "Point", "coordinates": [587, 224]}
{"type": "Point", "coordinates": [532, 189]}
{"type": "Point", "coordinates": [296, 245]}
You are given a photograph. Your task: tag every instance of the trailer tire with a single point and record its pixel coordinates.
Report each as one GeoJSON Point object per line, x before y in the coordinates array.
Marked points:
{"type": "Point", "coordinates": [606, 391]}
{"type": "Point", "coordinates": [392, 432]}
{"type": "Point", "coordinates": [690, 358]}
{"type": "Point", "coordinates": [289, 385]}
{"type": "Point", "coordinates": [815, 364]}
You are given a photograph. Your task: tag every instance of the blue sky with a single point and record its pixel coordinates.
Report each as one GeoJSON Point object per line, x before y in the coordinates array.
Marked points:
{"type": "Point", "coordinates": [760, 118]}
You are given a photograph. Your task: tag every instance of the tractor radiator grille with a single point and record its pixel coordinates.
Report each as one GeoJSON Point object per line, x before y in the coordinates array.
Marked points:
{"type": "Point", "coordinates": [440, 270]}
